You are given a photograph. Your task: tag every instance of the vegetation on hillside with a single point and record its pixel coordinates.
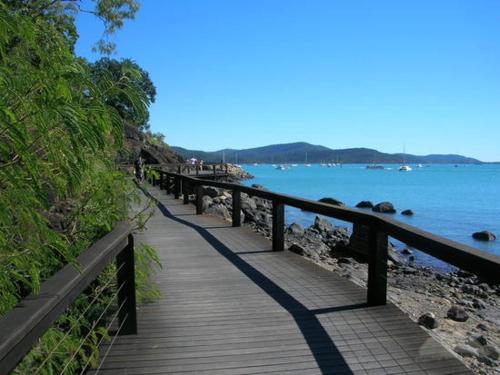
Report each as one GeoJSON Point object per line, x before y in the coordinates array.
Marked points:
{"type": "Point", "coordinates": [61, 127]}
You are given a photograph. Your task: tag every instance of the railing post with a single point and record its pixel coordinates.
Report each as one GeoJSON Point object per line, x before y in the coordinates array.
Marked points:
{"type": "Point", "coordinates": [168, 183]}
{"type": "Point", "coordinates": [377, 267]}
{"type": "Point", "coordinates": [213, 167]}
{"type": "Point", "coordinates": [161, 180]}
{"type": "Point", "coordinates": [226, 168]}
{"type": "Point", "coordinates": [278, 226]}
{"type": "Point", "coordinates": [199, 199]}
{"type": "Point", "coordinates": [179, 169]}
{"type": "Point", "coordinates": [185, 194]}
{"type": "Point", "coordinates": [177, 186]}
{"type": "Point", "coordinates": [236, 208]}
{"type": "Point", "coordinates": [127, 315]}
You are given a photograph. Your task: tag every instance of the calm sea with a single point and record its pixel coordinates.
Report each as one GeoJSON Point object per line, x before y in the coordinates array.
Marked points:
{"type": "Point", "coordinates": [450, 201]}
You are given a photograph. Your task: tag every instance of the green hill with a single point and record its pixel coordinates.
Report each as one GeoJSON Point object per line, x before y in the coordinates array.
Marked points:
{"type": "Point", "coordinates": [297, 153]}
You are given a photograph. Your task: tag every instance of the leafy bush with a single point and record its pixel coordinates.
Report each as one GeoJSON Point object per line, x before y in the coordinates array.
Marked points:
{"type": "Point", "coordinates": [60, 189]}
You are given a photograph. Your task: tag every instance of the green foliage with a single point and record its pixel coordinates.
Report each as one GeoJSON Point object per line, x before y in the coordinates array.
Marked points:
{"type": "Point", "coordinates": [61, 15]}
{"type": "Point", "coordinates": [126, 73]}
{"type": "Point", "coordinates": [60, 188]}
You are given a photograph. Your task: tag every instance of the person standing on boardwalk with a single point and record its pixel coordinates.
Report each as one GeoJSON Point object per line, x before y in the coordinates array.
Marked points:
{"type": "Point", "coordinates": [139, 169]}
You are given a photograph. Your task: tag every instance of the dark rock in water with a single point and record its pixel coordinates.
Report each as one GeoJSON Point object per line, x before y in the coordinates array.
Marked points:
{"type": "Point", "coordinates": [406, 251]}
{"type": "Point", "coordinates": [332, 201]}
{"type": "Point", "coordinates": [297, 249]}
{"type": "Point", "coordinates": [322, 225]}
{"type": "Point", "coordinates": [457, 314]}
{"type": "Point", "coordinates": [407, 212]}
{"type": "Point", "coordinates": [365, 204]}
{"type": "Point", "coordinates": [484, 236]}
{"type": "Point", "coordinates": [211, 191]}
{"type": "Point", "coordinates": [428, 320]}
{"type": "Point", "coordinates": [296, 229]}
{"type": "Point", "coordinates": [384, 207]}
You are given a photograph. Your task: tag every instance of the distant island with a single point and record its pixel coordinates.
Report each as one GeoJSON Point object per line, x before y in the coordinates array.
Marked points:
{"type": "Point", "coordinates": [300, 152]}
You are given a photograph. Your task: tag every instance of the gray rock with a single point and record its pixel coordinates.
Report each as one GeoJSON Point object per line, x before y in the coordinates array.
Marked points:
{"type": "Point", "coordinates": [219, 210]}
{"type": "Point", "coordinates": [365, 204]}
{"type": "Point", "coordinates": [384, 207]}
{"type": "Point", "coordinates": [297, 249]}
{"type": "Point", "coordinates": [477, 341]}
{"type": "Point", "coordinates": [211, 191]}
{"type": "Point", "coordinates": [406, 251]}
{"type": "Point", "coordinates": [296, 229]}
{"type": "Point", "coordinates": [484, 236]}
{"type": "Point", "coordinates": [489, 351]}
{"type": "Point", "coordinates": [407, 212]}
{"type": "Point", "coordinates": [322, 225]}
{"type": "Point", "coordinates": [248, 204]}
{"type": "Point", "coordinates": [332, 201]}
{"type": "Point", "coordinates": [428, 320]}
{"type": "Point", "coordinates": [206, 202]}
{"type": "Point", "coordinates": [457, 314]}
{"type": "Point", "coordinates": [478, 304]}
{"type": "Point", "coordinates": [260, 187]}
{"type": "Point", "coordinates": [466, 350]}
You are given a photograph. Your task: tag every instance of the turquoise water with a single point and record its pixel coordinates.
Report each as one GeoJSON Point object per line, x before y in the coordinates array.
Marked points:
{"type": "Point", "coordinates": [450, 201]}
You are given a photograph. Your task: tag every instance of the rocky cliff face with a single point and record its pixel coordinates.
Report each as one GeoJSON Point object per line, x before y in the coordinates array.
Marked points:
{"type": "Point", "coordinates": [137, 144]}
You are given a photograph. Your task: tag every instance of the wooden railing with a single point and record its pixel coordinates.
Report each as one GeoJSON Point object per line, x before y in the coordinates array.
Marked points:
{"type": "Point", "coordinates": [21, 327]}
{"type": "Point", "coordinates": [194, 169]}
{"type": "Point", "coordinates": [380, 227]}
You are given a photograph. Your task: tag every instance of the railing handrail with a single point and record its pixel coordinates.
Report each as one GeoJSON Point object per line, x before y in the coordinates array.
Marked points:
{"type": "Point", "coordinates": [484, 265]}
{"type": "Point", "coordinates": [21, 327]}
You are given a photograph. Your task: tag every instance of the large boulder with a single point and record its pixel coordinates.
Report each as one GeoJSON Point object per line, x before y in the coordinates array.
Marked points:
{"type": "Point", "coordinates": [332, 201]}
{"type": "Point", "coordinates": [365, 204]}
{"type": "Point", "coordinates": [407, 212]}
{"type": "Point", "coordinates": [384, 208]}
{"type": "Point", "coordinates": [484, 236]}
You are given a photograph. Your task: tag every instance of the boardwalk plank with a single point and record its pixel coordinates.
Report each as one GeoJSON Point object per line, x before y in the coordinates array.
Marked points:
{"type": "Point", "coordinates": [231, 306]}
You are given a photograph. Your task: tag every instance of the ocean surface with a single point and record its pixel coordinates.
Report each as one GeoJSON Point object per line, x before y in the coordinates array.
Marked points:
{"type": "Point", "coordinates": [450, 201]}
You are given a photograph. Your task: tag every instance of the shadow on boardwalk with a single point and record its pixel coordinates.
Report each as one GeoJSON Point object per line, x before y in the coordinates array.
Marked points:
{"type": "Point", "coordinates": [324, 350]}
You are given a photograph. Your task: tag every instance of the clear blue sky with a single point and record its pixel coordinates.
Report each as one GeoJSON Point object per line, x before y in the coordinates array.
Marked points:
{"type": "Point", "coordinates": [375, 74]}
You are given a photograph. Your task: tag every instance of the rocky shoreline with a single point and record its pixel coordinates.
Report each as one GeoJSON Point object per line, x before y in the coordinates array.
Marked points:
{"type": "Point", "coordinates": [458, 309]}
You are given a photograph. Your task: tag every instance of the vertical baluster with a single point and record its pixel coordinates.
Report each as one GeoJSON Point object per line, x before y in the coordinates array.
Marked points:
{"type": "Point", "coordinates": [377, 267]}
{"type": "Point", "coordinates": [125, 264]}
{"type": "Point", "coordinates": [236, 208]}
{"type": "Point", "coordinates": [278, 226]}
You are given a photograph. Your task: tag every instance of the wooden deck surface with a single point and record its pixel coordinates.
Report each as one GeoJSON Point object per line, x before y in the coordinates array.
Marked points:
{"type": "Point", "coordinates": [231, 306]}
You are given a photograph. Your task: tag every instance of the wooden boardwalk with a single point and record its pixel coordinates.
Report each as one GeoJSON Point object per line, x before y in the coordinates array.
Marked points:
{"type": "Point", "coordinates": [231, 306]}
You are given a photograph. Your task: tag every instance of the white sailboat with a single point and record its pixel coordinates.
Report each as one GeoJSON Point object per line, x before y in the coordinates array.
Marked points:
{"type": "Point", "coordinates": [307, 164]}
{"type": "Point", "coordinates": [405, 167]}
